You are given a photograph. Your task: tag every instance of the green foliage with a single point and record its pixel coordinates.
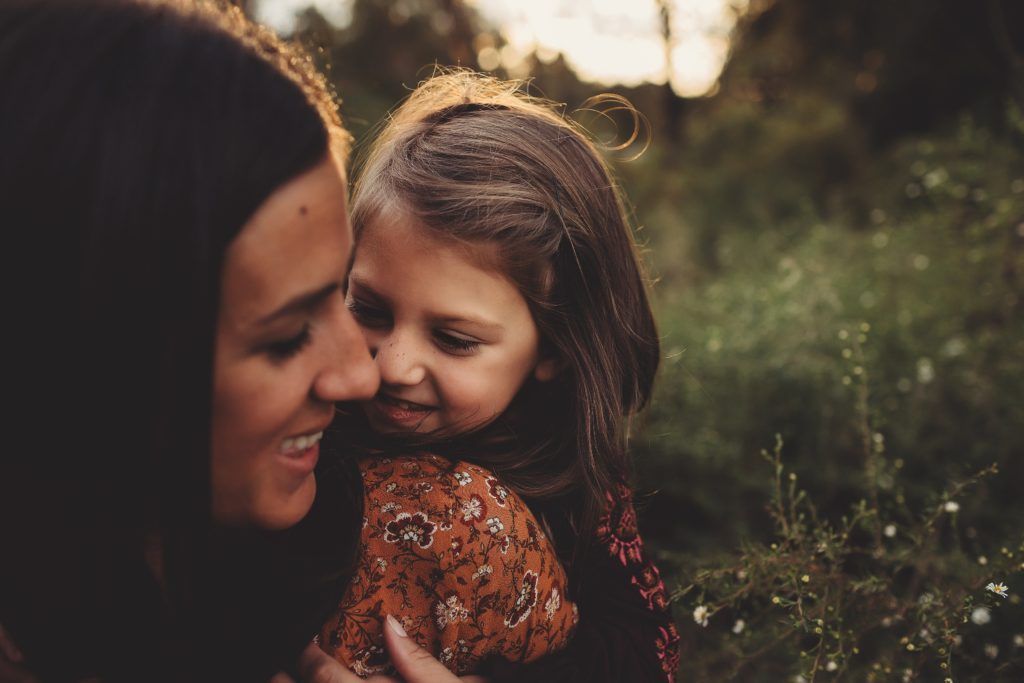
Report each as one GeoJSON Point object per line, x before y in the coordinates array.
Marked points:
{"type": "Point", "coordinates": [888, 350]}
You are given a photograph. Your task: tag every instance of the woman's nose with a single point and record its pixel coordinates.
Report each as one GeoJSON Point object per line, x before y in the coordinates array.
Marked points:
{"type": "Point", "coordinates": [349, 373]}
{"type": "Point", "coordinates": [398, 359]}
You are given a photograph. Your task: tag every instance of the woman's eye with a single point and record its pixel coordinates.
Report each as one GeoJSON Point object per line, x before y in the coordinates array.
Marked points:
{"type": "Point", "coordinates": [366, 314]}
{"type": "Point", "coordinates": [286, 348]}
{"type": "Point", "coordinates": [456, 345]}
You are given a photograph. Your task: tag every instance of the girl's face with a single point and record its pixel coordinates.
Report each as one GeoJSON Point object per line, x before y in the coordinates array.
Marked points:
{"type": "Point", "coordinates": [453, 340]}
{"type": "Point", "coordinates": [286, 350]}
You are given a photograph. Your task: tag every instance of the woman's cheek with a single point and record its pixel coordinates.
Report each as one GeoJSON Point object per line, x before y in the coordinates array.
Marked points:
{"type": "Point", "coordinates": [257, 414]}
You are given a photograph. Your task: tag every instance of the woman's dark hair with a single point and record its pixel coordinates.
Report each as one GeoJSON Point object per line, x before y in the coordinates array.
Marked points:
{"type": "Point", "coordinates": [136, 139]}
{"type": "Point", "coordinates": [475, 160]}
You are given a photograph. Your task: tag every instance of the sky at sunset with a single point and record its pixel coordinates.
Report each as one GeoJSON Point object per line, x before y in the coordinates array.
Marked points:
{"type": "Point", "coordinates": [606, 41]}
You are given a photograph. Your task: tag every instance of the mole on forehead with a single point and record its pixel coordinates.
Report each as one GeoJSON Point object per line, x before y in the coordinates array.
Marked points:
{"type": "Point", "coordinates": [303, 210]}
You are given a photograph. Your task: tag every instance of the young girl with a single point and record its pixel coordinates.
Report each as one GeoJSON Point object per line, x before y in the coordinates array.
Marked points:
{"type": "Point", "coordinates": [499, 290]}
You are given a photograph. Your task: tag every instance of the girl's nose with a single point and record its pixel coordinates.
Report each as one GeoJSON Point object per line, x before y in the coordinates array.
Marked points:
{"type": "Point", "coordinates": [399, 361]}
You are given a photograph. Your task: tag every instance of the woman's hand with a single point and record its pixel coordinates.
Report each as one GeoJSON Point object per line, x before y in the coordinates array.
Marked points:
{"type": "Point", "coordinates": [415, 664]}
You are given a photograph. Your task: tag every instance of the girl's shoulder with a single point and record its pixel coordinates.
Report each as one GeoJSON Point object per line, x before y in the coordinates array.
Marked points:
{"type": "Point", "coordinates": [434, 480]}
{"type": "Point", "coordinates": [455, 501]}
{"type": "Point", "coordinates": [459, 559]}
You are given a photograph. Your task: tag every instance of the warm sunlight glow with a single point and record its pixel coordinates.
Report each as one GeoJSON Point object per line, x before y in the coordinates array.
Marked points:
{"type": "Point", "coordinates": [280, 14]}
{"type": "Point", "coordinates": [609, 41]}
{"type": "Point", "coordinates": [604, 41]}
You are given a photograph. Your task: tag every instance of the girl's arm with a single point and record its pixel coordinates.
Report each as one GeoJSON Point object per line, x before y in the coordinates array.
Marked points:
{"type": "Point", "coordinates": [626, 630]}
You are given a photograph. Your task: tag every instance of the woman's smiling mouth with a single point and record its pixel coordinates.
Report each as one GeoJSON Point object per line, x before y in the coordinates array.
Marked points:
{"type": "Point", "coordinates": [300, 443]}
{"type": "Point", "coordinates": [300, 454]}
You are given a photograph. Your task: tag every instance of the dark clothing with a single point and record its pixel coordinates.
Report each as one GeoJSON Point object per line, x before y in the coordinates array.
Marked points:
{"type": "Point", "coordinates": [626, 631]}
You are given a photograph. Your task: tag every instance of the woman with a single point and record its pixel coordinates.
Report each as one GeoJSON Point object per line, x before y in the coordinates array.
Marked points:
{"type": "Point", "coordinates": [171, 186]}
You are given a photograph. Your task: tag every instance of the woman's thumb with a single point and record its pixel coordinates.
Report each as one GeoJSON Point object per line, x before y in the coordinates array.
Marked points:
{"type": "Point", "coordinates": [415, 664]}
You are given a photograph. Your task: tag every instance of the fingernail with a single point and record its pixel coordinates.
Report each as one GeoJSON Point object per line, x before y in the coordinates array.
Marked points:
{"type": "Point", "coordinates": [396, 627]}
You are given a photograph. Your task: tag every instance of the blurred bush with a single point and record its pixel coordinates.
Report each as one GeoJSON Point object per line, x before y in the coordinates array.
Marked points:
{"type": "Point", "coordinates": [885, 309]}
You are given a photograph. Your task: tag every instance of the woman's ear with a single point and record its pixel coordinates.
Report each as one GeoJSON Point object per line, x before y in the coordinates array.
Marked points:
{"type": "Point", "coordinates": [547, 369]}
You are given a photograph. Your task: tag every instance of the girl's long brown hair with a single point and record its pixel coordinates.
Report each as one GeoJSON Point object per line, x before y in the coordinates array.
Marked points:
{"type": "Point", "coordinates": [476, 160]}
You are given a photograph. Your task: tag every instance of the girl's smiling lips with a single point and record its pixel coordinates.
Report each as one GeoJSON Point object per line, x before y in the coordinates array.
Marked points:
{"type": "Point", "coordinates": [402, 413]}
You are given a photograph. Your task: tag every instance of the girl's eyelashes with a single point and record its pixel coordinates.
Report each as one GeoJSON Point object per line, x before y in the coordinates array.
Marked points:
{"type": "Point", "coordinates": [369, 315]}
{"type": "Point", "coordinates": [365, 314]}
{"type": "Point", "coordinates": [455, 345]}
{"type": "Point", "coordinates": [286, 348]}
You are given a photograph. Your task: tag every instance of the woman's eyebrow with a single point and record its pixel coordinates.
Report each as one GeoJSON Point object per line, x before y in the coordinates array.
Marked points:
{"type": "Point", "coordinates": [301, 303]}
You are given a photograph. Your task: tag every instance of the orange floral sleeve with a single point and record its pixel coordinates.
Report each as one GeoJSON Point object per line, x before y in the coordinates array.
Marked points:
{"type": "Point", "coordinates": [459, 559]}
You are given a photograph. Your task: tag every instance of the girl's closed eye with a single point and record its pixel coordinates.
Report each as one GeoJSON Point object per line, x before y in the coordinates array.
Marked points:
{"type": "Point", "coordinates": [283, 349]}
{"type": "Point", "coordinates": [367, 314]}
{"type": "Point", "coordinates": [454, 344]}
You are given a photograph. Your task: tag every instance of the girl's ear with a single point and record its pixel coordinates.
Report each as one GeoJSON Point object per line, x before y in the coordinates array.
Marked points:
{"type": "Point", "coordinates": [547, 368]}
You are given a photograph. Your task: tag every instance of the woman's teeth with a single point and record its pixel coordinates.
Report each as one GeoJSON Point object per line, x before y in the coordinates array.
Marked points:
{"type": "Point", "coordinates": [300, 443]}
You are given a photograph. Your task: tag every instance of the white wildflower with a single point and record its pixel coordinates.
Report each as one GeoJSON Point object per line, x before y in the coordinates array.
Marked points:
{"type": "Point", "coordinates": [1018, 640]}
{"type": "Point", "coordinates": [925, 370]}
{"type": "Point", "coordinates": [889, 531]}
{"type": "Point", "coordinates": [981, 616]}
{"type": "Point", "coordinates": [982, 560]}
{"type": "Point", "coordinates": [997, 588]}
{"type": "Point", "coordinates": [991, 650]}
{"type": "Point", "coordinates": [831, 666]}
{"type": "Point", "coordinates": [738, 627]}
{"type": "Point", "coordinates": [700, 615]}
{"type": "Point", "coordinates": [951, 506]}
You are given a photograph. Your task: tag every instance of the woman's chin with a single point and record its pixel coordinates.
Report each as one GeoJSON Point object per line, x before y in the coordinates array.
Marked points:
{"type": "Point", "coordinates": [287, 508]}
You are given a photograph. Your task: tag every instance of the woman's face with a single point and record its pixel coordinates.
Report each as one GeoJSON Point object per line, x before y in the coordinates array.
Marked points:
{"type": "Point", "coordinates": [286, 350]}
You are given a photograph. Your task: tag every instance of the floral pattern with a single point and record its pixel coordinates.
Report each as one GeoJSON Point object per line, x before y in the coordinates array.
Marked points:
{"type": "Point", "coordinates": [460, 559]}
{"type": "Point", "coordinates": [617, 532]}
{"type": "Point", "coordinates": [472, 510]}
{"type": "Point", "coordinates": [497, 490]}
{"type": "Point", "coordinates": [410, 529]}
{"type": "Point", "coordinates": [525, 602]}
{"type": "Point", "coordinates": [553, 603]}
